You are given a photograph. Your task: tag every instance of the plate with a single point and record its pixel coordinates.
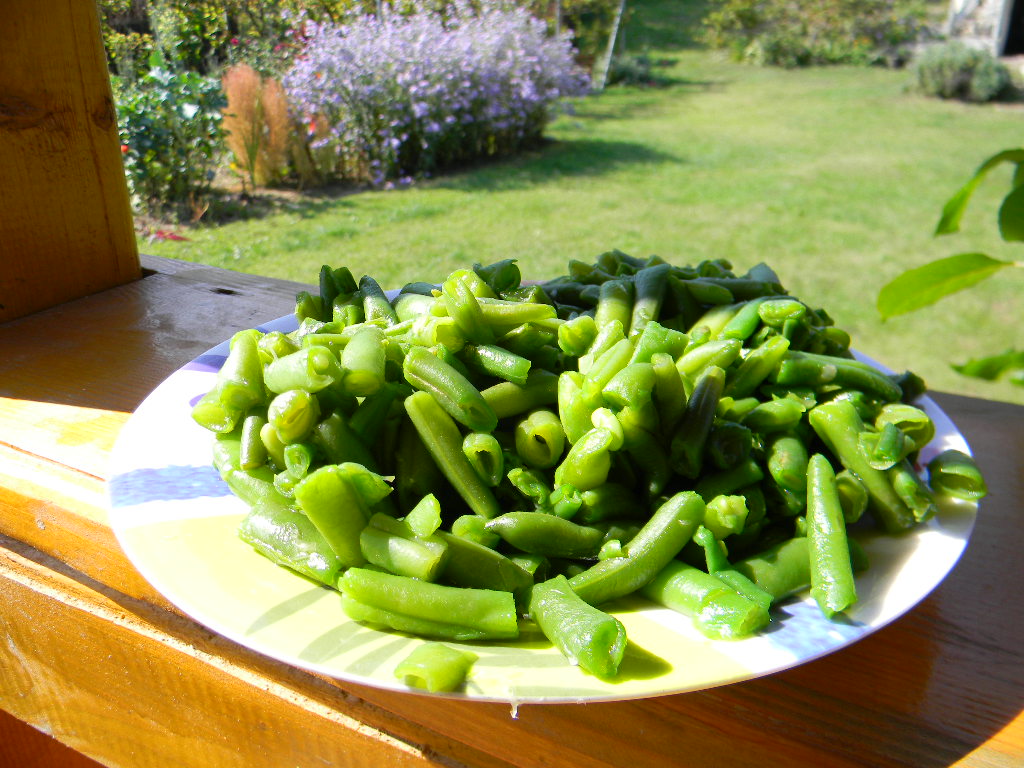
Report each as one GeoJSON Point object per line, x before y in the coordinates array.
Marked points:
{"type": "Point", "coordinates": [176, 521]}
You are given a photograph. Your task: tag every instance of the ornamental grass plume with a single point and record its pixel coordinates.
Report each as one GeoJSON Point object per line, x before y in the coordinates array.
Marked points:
{"type": "Point", "coordinates": [410, 95]}
{"type": "Point", "coordinates": [257, 123]}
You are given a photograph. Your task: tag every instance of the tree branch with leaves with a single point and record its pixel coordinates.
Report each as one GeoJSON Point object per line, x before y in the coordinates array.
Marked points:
{"type": "Point", "coordinates": [922, 286]}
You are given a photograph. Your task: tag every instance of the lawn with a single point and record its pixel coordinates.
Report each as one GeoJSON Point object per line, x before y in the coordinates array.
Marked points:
{"type": "Point", "coordinates": [835, 177]}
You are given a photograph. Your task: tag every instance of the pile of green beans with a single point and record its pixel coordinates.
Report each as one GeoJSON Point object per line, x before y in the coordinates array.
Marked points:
{"type": "Point", "coordinates": [479, 452]}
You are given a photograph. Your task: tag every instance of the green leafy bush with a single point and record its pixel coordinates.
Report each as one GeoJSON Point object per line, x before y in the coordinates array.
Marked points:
{"type": "Point", "coordinates": [171, 136]}
{"type": "Point", "coordinates": [797, 33]}
{"type": "Point", "coordinates": [957, 71]}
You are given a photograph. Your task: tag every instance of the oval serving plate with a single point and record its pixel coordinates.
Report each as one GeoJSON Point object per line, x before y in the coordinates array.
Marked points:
{"type": "Point", "coordinates": [176, 521]}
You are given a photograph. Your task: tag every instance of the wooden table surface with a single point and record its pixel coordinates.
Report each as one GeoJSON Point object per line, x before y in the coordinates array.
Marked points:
{"type": "Point", "coordinates": [93, 655]}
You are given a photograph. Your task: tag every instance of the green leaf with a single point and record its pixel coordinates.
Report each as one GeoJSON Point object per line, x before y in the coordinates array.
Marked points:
{"type": "Point", "coordinates": [953, 211]}
{"type": "Point", "coordinates": [924, 285]}
{"type": "Point", "coordinates": [1009, 364]}
{"type": "Point", "coordinates": [1011, 215]}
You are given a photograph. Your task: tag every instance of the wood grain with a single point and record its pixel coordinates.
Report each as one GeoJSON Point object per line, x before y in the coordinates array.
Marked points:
{"type": "Point", "coordinates": [64, 207]}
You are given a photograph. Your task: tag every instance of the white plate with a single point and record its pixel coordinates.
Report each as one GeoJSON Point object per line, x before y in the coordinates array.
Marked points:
{"type": "Point", "coordinates": [176, 520]}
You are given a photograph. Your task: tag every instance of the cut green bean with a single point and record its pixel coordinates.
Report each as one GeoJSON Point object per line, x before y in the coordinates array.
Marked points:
{"type": "Point", "coordinates": [540, 439]}
{"type": "Point", "coordinates": [449, 388]}
{"type": "Point", "coordinates": [660, 539]}
{"type": "Point", "coordinates": [435, 667]}
{"type": "Point", "coordinates": [443, 440]}
{"type": "Point", "coordinates": [717, 610]}
{"type": "Point", "coordinates": [955, 473]}
{"type": "Point", "coordinates": [586, 636]}
{"type": "Point", "coordinates": [427, 609]}
{"type": "Point", "coordinates": [832, 584]}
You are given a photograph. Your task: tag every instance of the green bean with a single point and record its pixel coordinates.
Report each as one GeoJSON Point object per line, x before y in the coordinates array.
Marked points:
{"type": "Point", "coordinates": [565, 501]}
{"type": "Point", "coordinates": [501, 276]}
{"type": "Point", "coordinates": [912, 490]}
{"type": "Point", "coordinates": [631, 386]}
{"type": "Point", "coordinates": [658, 339]}
{"type": "Point", "coordinates": [777, 312]}
{"type": "Point", "coordinates": [588, 461]}
{"type": "Point", "coordinates": [340, 443]}
{"type": "Point", "coordinates": [614, 303]}
{"type": "Point", "coordinates": [669, 391]}
{"type": "Point", "coordinates": [719, 567]}
{"type": "Point", "coordinates": [781, 570]}
{"type": "Point", "coordinates": [375, 303]}
{"type": "Point", "coordinates": [310, 368]}
{"type": "Point", "coordinates": [576, 405]}
{"type": "Point", "coordinates": [606, 502]}
{"type": "Point", "coordinates": [955, 473]}
{"type": "Point", "coordinates": [660, 539]}
{"type": "Point", "coordinates": [425, 518]}
{"type": "Point", "coordinates": [532, 485]}
{"type": "Point", "coordinates": [839, 426]}
{"type": "Point", "coordinates": [363, 362]}
{"type": "Point", "coordinates": [853, 496]}
{"type": "Point", "coordinates": [273, 444]}
{"type": "Point", "coordinates": [290, 539]}
{"type": "Point", "coordinates": [508, 399]}
{"type": "Point", "coordinates": [435, 667]}
{"type": "Point", "coordinates": [331, 501]}
{"type": "Point", "coordinates": [717, 609]}
{"type": "Point", "coordinates": [649, 286]}
{"type": "Point", "coordinates": [497, 361]}
{"type": "Point", "coordinates": [787, 461]}
{"type": "Point", "coordinates": [474, 528]}
{"type": "Point", "coordinates": [502, 316]}
{"type": "Point", "coordinates": [885, 448]}
{"type": "Point", "coordinates": [725, 515]}
{"type": "Point", "coordinates": [912, 422]}
{"type": "Point", "coordinates": [252, 451]}
{"type": "Point", "coordinates": [441, 436]}
{"type": "Point", "coordinates": [743, 324]}
{"type": "Point", "coordinates": [424, 608]}
{"type": "Point", "coordinates": [586, 636]}
{"type": "Point", "coordinates": [293, 414]}
{"type": "Point", "coordinates": [832, 584]}
{"type": "Point", "coordinates": [720, 353]}
{"type": "Point", "coordinates": [485, 456]}
{"type": "Point", "coordinates": [540, 533]}
{"type": "Point", "coordinates": [540, 439]}
{"type": "Point", "coordinates": [450, 389]}
{"type": "Point", "coordinates": [756, 367]}
{"type": "Point", "coordinates": [392, 545]}
{"type": "Point", "coordinates": [729, 481]}
{"type": "Point", "coordinates": [576, 336]}
{"type": "Point", "coordinates": [607, 336]}
{"type": "Point", "coordinates": [471, 564]}
{"type": "Point", "coordinates": [779, 415]}
{"type": "Point", "coordinates": [687, 448]}
{"type": "Point", "coordinates": [728, 444]}
{"type": "Point", "coordinates": [806, 369]}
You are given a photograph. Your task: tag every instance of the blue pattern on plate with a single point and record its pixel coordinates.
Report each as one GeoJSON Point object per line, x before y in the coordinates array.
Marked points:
{"type": "Point", "coordinates": [802, 628]}
{"type": "Point", "coordinates": [175, 483]}
{"type": "Point", "coordinates": [207, 362]}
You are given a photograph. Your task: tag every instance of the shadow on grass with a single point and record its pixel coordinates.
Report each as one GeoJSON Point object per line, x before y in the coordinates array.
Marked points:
{"type": "Point", "coordinates": [555, 160]}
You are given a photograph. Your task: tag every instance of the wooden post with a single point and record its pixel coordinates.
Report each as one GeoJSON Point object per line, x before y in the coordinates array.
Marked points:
{"type": "Point", "coordinates": [65, 219]}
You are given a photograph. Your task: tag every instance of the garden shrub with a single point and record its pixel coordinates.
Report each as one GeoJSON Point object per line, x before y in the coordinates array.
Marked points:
{"type": "Point", "coordinates": [408, 95]}
{"type": "Point", "coordinates": [794, 33]}
{"type": "Point", "coordinates": [957, 71]}
{"type": "Point", "coordinates": [256, 125]}
{"type": "Point", "coordinates": [171, 137]}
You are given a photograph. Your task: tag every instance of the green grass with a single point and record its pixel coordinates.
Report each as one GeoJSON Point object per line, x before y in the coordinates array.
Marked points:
{"type": "Point", "coordinates": [835, 177]}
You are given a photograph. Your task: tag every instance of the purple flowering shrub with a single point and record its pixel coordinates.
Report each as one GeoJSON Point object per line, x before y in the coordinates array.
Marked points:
{"type": "Point", "coordinates": [408, 95]}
